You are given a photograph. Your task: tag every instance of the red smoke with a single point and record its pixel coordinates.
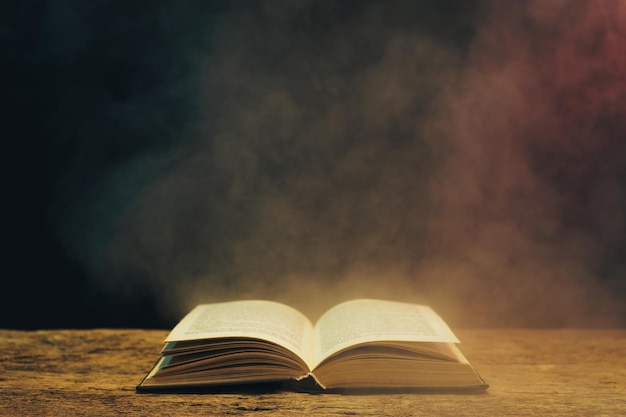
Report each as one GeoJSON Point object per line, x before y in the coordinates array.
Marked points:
{"type": "Point", "coordinates": [532, 203]}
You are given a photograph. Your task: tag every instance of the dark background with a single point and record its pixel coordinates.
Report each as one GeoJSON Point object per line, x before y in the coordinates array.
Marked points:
{"type": "Point", "coordinates": [159, 154]}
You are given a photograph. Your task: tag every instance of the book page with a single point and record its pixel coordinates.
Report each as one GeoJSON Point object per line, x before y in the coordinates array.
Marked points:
{"type": "Point", "coordinates": [360, 321]}
{"type": "Point", "coordinates": [266, 320]}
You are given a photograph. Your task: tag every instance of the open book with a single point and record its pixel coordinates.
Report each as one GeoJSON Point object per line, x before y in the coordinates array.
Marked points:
{"type": "Point", "coordinates": [356, 344]}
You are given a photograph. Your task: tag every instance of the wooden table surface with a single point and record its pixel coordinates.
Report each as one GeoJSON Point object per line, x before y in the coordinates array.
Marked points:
{"type": "Point", "coordinates": [530, 372]}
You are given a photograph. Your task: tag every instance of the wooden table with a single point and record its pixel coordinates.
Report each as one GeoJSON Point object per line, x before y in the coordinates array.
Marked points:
{"type": "Point", "coordinates": [530, 372]}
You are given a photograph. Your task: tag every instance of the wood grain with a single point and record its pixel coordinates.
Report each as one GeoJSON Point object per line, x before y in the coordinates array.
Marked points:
{"type": "Point", "coordinates": [530, 372]}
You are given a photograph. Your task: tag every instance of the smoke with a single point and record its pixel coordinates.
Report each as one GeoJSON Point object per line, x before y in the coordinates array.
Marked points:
{"type": "Point", "coordinates": [469, 156]}
{"type": "Point", "coordinates": [531, 206]}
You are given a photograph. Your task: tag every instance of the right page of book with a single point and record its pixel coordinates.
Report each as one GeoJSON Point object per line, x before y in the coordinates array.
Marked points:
{"type": "Point", "coordinates": [368, 320]}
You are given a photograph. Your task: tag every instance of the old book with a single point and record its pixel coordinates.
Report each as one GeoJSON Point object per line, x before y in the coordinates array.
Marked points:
{"type": "Point", "coordinates": [358, 344]}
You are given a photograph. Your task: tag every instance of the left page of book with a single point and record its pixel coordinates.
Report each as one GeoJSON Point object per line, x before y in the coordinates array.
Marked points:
{"type": "Point", "coordinates": [267, 320]}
